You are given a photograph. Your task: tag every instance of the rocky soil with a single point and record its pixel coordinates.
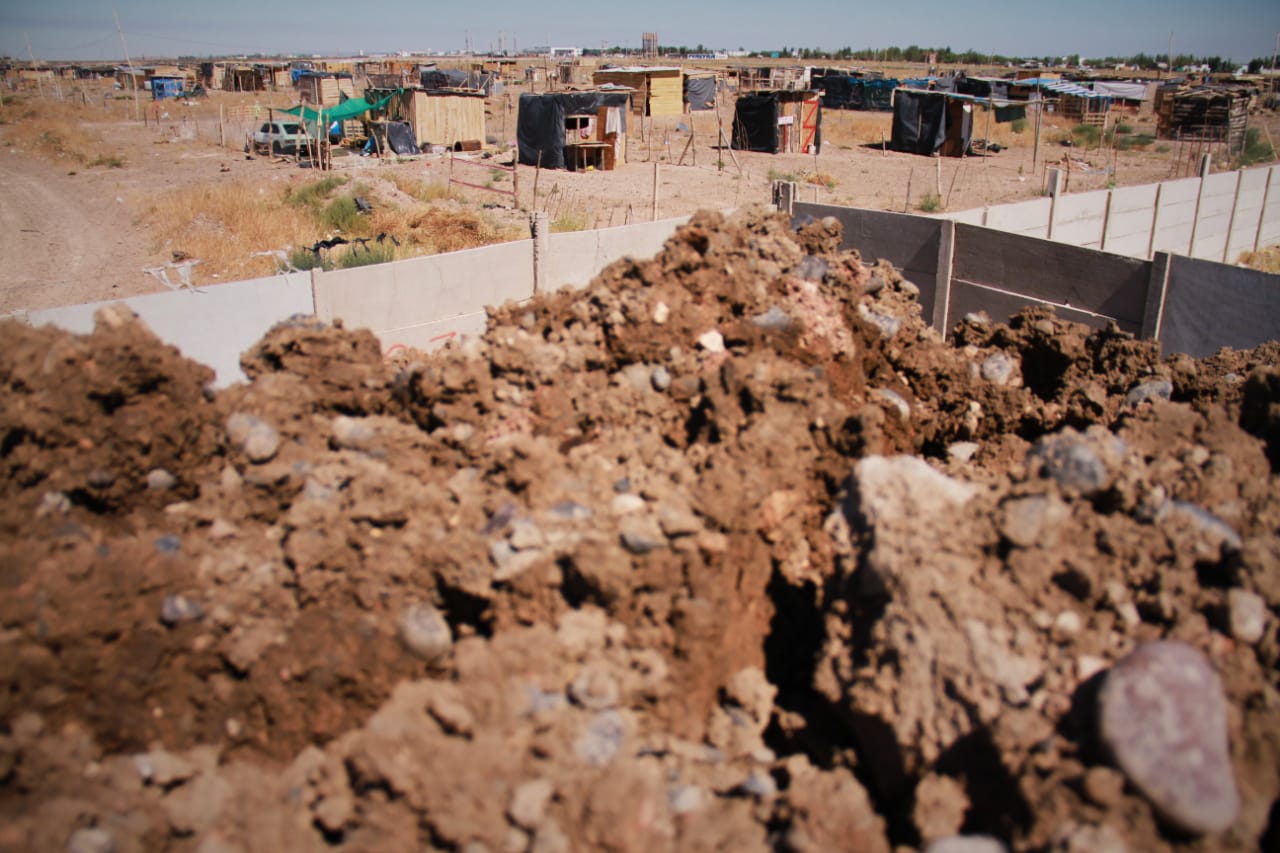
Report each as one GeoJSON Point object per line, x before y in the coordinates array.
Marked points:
{"type": "Point", "coordinates": [726, 552]}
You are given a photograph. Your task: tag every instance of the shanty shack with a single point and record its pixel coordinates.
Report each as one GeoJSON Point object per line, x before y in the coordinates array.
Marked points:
{"type": "Point", "coordinates": [573, 130]}
{"type": "Point", "coordinates": [931, 122]}
{"type": "Point", "coordinates": [778, 121]}
{"type": "Point", "coordinates": [700, 90]}
{"type": "Point", "coordinates": [659, 91]}
{"type": "Point", "coordinates": [855, 92]}
{"type": "Point", "coordinates": [324, 89]}
{"type": "Point", "coordinates": [450, 118]}
{"type": "Point", "coordinates": [1214, 113]}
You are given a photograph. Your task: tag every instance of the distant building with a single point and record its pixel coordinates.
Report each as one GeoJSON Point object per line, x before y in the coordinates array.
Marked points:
{"type": "Point", "coordinates": [564, 52]}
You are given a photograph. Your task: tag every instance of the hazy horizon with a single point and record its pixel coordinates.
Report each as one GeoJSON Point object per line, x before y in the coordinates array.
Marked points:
{"type": "Point", "coordinates": [62, 30]}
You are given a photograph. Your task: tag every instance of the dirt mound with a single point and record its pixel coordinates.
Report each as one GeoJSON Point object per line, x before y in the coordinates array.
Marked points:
{"type": "Point", "coordinates": [727, 551]}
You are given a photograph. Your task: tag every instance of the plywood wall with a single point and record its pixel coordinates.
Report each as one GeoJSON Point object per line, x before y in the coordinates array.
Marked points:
{"type": "Point", "coordinates": [445, 119]}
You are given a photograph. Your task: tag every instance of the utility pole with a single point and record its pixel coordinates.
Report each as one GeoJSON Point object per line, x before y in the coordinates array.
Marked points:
{"type": "Point", "coordinates": [1170, 53]}
{"type": "Point", "coordinates": [133, 79]}
{"type": "Point", "coordinates": [34, 70]}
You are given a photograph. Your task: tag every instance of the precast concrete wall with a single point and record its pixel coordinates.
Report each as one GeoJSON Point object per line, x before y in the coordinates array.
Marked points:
{"type": "Point", "coordinates": [1028, 218]}
{"type": "Point", "coordinates": [424, 302]}
{"type": "Point", "coordinates": [1080, 219]}
{"type": "Point", "coordinates": [1215, 218]}
{"type": "Point", "coordinates": [212, 325]}
{"type": "Point", "coordinates": [577, 257]}
{"type": "Point", "coordinates": [1213, 222]}
{"type": "Point", "coordinates": [1209, 305]}
{"type": "Point", "coordinates": [1130, 220]}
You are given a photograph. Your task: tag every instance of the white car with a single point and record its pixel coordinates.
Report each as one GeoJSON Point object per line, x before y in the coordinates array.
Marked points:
{"type": "Point", "coordinates": [281, 137]}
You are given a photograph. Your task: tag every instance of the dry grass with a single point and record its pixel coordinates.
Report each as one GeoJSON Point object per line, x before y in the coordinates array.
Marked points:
{"type": "Point", "coordinates": [435, 228]}
{"type": "Point", "coordinates": [1266, 260]}
{"type": "Point", "coordinates": [225, 226]}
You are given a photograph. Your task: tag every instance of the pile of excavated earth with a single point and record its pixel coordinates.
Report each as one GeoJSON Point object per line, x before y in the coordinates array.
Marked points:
{"type": "Point", "coordinates": [728, 551]}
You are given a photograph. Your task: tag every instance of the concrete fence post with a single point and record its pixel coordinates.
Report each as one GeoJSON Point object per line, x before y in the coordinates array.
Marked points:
{"type": "Point", "coordinates": [1262, 213]}
{"type": "Point", "coordinates": [1054, 179]}
{"type": "Point", "coordinates": [1157, 287]}
{"type": "Point", "coordinates": [784, 196]}
{"type": "Point", "coordinates": [942, 281]}
{"type": "Point", "coordinates": [540, 230]}
{"type": "Point", "coordinates": [1206, 165]}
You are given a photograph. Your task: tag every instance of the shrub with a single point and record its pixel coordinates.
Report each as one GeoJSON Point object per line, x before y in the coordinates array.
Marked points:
{"type": "Point", "coordinates": [110, 161]}
{"type": "Point", "coordinates": [341, 214]}
{"type": "Point", "coordinates": [311, 195]}
{"type": "Point", "coordinates": [1085, 135]}
{"type": "Point", "coordinates": [570, 220]}
{"type": "Point", "coordinates": [376, 254]}
{"type": "Point", "coordinates": [1018, 125]}
{"type": "Point", "coordinates": [303, 258]}
{"type": "Point", "coordinates": [1255, 149]}
{"type": "Point", "coordinates": [1121, 127]}
{"type": "Point", "coordinates": [930, 203]}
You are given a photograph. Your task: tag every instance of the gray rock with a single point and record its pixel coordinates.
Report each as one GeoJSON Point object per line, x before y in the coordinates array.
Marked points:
{"type": "Point", "coordinates": [962, 451]}
{"type": "Point", "coordinates": [162, 768]}
{"type": "Point", "coordinates": [999, 369]}
{"type": "Point", "coordinates": [252, 436]}
{"type": "Point", "coordinates": [160, 480]}
{"type": "Point", "coordinates": [660, 378]}
{"type": "Point", "coordinates": [528, 807]}
{"type": "Point", "coordinates": [570, 511]}
{"type": "Point", "coordinates": [759, 784]}
{"type": "Point", "coordinates": [595, 688]}
{"type": "Point", "coordinates": [966, 844]}
{"type": "Point", "coordinates": [896, 401]}
{"type": "Point", "coordinates": [684, 799]}
{"type": "Point", "coordinates": [886, 323]}
{"type": "Point", "coordinates": [602, 740]}
{"type": "Point", "coordinates": [1206, 524]}
{"type": "Point", "coordinates": [425, 632]}
{"type": "Point", "coordinates": [874, 285]}
{"type": "Point", "coordinates": [1247, 612]}
{"type": "Point", "coordinates": [1154, 389]}
{"type": "Point", "coordinates": [811, 268]}
{"type": "Point", "coordinates": [641, 534]}
{"type": "Point", "coordinates": [353, 433]}
{"type": "Point", "coordinates": [1162, 713]}
{"type": "Point", "coordinates": [712, 341]}
{"type": "Point", "coordinates": [178, 608]}
{"type": "Point", "coordinates": [909, 288]}
{"type": "Point", "coordinates": [901, 487]}
{"type": "Point", "coordinates": [169, 544]}
{"type": "Point", "coordinates": [635, 376]}
{"type": "Point", "coordinates": [977, 318]}
{"type": "Point", "coordinates": [774, 320]}
{"type": "Point", "coordinates": [91, 840]}
{"type": "Point", "coordinates": [1076, 461]}
{"type": "Point", "coordinates": [1032, 520]}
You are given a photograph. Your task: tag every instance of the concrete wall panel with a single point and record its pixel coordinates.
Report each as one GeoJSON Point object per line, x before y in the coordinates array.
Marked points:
{"type": "Point", "coordinates": [1028, 218]}
{"type": "Point", "coordinates": [1130, 221]}
{"type": "Point", "coordinates": [1210, 305]}
{"type": "Point", "coordinates": [1176, 216]}
{"type": "Point", "coordinates": [1079, 219]}
{"type": "Point", "coordinates": [968, 217]}
{"type": "Point", "coordinates": [1270, 232]}
{"type": "Point", "coordinates": [402, 296]}
{"type": "Point", "coordinates": [1216, 202]}
{"type": "Point", "coordinates": [212, 325]}
{"type": "Point", "coordinates": [1000, 305]}
{"type": "Point", "coordinates": [578, 257]}
{"type": "Point", "coordinates": [1244, 223]}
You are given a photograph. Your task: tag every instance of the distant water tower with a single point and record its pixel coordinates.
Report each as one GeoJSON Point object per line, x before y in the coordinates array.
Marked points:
{"type": "Point", "coordinates": [649, 44]}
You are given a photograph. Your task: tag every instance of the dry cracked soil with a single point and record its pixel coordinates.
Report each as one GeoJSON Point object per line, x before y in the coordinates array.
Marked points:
{"type": "Point", "coordinates": [728, 551]}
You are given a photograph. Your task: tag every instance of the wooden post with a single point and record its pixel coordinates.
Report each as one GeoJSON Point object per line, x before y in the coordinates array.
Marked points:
{"type": "Point", "coordinates": [515, 181]}
{"type": "Point", "coordinates": [906, 204]}
{"type": "Point", "coordinates": [1035, 151]}
{"type": "Point", "coordinates": [937, 177]}
{"type": "Point", "coordinates": [986, 152]}
{"type": "Point", "coordinates": [655, 191]}
{"type": "Point", "coordinates": [537, 172]}
{"type": "Point", "coordinates": [883, 151]}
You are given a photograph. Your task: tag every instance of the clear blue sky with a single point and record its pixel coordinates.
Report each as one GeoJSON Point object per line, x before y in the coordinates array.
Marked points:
{"type": "Point", "coordinates": [84, 29]}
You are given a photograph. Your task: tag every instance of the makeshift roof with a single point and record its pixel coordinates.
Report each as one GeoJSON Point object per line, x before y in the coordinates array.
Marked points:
{"type": "Point", "coordinates": [1061, 87]}
{"type": "Point", "coordinates": [343, 111]}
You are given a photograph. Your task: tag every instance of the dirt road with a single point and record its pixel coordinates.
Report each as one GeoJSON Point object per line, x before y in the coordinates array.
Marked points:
{"type": "Point", "coordinates": [64, 239]}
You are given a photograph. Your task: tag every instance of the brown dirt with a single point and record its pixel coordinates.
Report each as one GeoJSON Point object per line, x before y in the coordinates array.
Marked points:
{"type": "Point", "coordinates": [675, 621]}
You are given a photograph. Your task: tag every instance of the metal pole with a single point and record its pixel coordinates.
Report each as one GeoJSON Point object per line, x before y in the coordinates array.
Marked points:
{"type": "Point", "coordinates": [133, 79]}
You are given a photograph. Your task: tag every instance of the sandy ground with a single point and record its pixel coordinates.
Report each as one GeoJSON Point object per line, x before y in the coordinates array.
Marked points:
{"type": "Point", "coordinates": [75, 233]}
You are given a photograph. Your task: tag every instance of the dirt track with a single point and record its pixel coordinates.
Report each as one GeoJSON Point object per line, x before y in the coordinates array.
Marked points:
{"type": "Point", "coordinates": [63, 238]}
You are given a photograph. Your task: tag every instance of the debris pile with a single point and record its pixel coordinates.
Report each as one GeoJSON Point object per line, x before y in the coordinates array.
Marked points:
{"type": "Point", "coordinates": [727, 551]}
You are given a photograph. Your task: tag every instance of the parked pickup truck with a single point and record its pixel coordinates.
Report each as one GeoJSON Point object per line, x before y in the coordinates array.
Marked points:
{"type": "Point", "coordinates": [282, 137]}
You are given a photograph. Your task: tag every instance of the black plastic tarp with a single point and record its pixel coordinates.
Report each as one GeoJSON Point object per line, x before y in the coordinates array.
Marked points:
{"type": "Point", "coordinates": [400, 138]}
{"type": "Point", "coordinates": [755, 123]}
{"type": "Point", "coordinates": [982, 87]}
{"type": "Point", "coordinates": [843, 92]}
{"type": "Point", "coordinates": [700, 93]}
{"type": "Point", "coordinates": [540, 125]}
{"type": "Point", "coordinates": [919, 122]}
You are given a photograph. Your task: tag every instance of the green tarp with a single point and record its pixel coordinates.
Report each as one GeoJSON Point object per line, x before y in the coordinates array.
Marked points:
{"type": "Point", "coordinates": [342, 112]}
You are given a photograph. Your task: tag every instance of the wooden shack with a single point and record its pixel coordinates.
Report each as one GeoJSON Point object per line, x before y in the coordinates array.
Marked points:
{"type": "Point", "coordinates": [441, 118]}
{"type": "Point", "coordinates": [659, 91]}
{"type": "Point", "coordinates": [324, 90]}
{"type": "Point", "coordinates": [1207, 113]}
